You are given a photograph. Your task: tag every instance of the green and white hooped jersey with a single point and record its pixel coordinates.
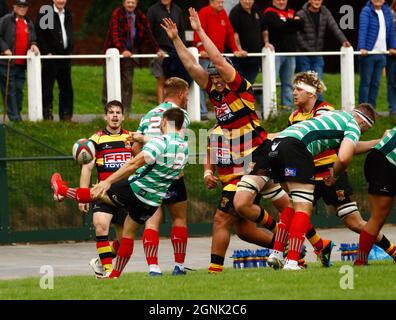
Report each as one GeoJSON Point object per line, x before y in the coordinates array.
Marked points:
{"type": "Point", "coordinates": [387, 146]}
{"type": "Point", "coordinates": [324, 132]}
{"type": "Point", "coordinates": [166, 157]}
{"type": "Point", "coordinates": [150, 123]}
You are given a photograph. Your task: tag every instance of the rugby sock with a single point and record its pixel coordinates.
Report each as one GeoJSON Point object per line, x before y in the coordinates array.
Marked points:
{"type": "Point", "coordinates": [216, 263]}
{"type": "Point", "coordinates": [150, 240]}
{"type": "Point", "coordinates": [179, 242]}
{"type": "Point", "coordinates": [114, 248]}
{"type": "Point", "coordinates": [366, 242]}
{"type": "Point", "coordinates": [81, 195]}
{"type": "Point", "coordinates": [387, 246]}
{"type": "Point", "coordinates": [283, 226]}
{"type": "Point", "coordinates": [104, 251]}
{"type": "Point", "coordinates": [314, 238]}
{"type": "Point", "coordinates": [266, 220]}
{"type": "Point", "coordinates": [298, 229]}
{"type": "Point", "coordinates": [123, 255]}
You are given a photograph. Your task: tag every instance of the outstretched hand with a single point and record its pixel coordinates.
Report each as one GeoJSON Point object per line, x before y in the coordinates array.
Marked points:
{"type": "Point", "coordinates": [99, 190]}
{"type": "Point", "coordinates": [194, 19]}
{"type": "Point", "coordinates": [170, 27]}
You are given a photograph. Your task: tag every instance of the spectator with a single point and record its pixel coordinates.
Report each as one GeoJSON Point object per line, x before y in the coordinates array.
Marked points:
{"type": "Point", "coordinates": [376, 32]}
{"type": "Point", "coordinates": [17, 36]}
{"type": "Point", "coordinates": [3, 8]}
{"type": "Point", "coordinates": [129, 31]}
{"type": "Point", "coordinates": [317, 19]}
{"type": "Point", "coordinates": [251, 34]}
{"type": "Point", "coordinates": [218, 27]}
{"type": "Point", "coordinates": [170, 66]}
{"type": "Point", "coordinates": [57, 41]}
{"type": "Point", "coordinates": [283, 25]}
{"type": "Point", "coordinates": [391, 72]}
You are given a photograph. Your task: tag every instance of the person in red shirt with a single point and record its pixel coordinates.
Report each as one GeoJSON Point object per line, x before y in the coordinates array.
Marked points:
{"type": "Point", "coordinates": [17, 36]}
{"type": "Point", "coordinates": [215, 22]}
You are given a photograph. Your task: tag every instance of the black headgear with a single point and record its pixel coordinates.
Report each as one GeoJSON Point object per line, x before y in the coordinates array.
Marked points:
{"type": "Point", "coordinates": [211, 69]}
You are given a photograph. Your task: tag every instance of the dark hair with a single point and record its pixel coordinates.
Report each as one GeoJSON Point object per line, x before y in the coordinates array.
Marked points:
{"type": "Point", "coordinates": [113, 103]}
{"type": "Point", "coordinates": [175, 115]}
{"type": "Point", "coordinates": [393, 5]}
{"type": "Point", "coordinates": [173, 86]}
{"type": "Point", "coordinates": [368, 110]}
{"type": "Point", "coordinates": [211, 69]}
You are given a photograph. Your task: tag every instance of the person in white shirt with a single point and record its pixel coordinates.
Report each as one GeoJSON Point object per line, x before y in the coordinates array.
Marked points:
{"type": "Point", "coordinates": [376, 33]}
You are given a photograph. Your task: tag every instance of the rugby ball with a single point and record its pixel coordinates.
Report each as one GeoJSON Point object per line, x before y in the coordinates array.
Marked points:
{"type": "Point", "coordinates": [83, 151]}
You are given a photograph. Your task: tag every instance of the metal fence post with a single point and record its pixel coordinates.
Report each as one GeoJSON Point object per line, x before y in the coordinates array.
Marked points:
{"type": "Point", "coordinates": [4, 214]}
{"type": "Point", "coordinates": [269, 82]}
{"type": "Point", "coordinates": [194, 100]}
{"type": "Point", "coordinates": [35, 100]}
{"type": "Point", "coordinates": [113, 74]}
{"type": "Point", "coordinates": [347, 79]}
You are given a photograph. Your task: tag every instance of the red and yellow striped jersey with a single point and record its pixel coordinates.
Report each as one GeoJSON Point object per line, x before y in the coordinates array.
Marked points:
{"type": "Point", "coordinates": [228, 172]}
{"type": "Point", "coordinates": [236, 115]}
{"type": "Point", "coordinates": [324, 160]}
{"type": "Point", "coordinates": [112, 151]}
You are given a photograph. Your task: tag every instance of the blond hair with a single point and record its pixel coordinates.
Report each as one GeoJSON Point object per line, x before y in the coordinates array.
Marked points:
{"type": "Point", "coordinates": [311, 78]}
{"type": "Point", "coordinates": [173, 86]}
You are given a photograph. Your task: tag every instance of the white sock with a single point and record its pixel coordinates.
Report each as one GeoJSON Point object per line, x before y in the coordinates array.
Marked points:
{"type": "Point", "coordinates": [278, 254]}
{"type": "Point", "coordinates": [154, 268]}
{"type": "Point", "coordinates": [292, 263]}
{"type": "Point", "coordinates": [180, 265]}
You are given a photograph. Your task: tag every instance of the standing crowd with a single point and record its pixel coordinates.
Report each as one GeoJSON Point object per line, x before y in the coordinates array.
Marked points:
{"type": "Point", "coordinates": [246, 29]}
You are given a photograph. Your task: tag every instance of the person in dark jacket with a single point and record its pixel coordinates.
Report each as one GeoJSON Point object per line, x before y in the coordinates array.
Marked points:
{"type": "Point", "coordinates": [171, 66]}
{"type": "Point", "coordinates": [17, 36]}
{"type": "Point", "coordinates": [317, 19]}
{"type": "Point", "coordinates": [376, 33]}
{"type": "Point", "coordinates": [251, 32]}
{"type": "Point", "coordinates": [283, 25]}
{"type": "Point", "coordinates": [57, 40]}
{"type": "Point", "coordinates": [391, 72]}
{"type": "Point", "coordinates": [129, 31]}
{"type": "Point", "coordinates": [3, 8]}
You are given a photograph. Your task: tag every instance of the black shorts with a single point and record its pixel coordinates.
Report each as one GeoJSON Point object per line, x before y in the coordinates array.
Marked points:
{"type": "Point", "coordinates": [122, 196]}
{"type": "Point", "coordinates": [260, 161]}
{"type": "Point", "coordinates": [176, 193]}
{"type": "Point", "coordinates": [119, 214]}
{"type": "Point", "coordinates": [380, 174]}
{"type": "Point", "coordinates": [338, 194]}
{"type": "Point", "coordinates": [226, 203]}
{"type": "Point", "coordinates": [290, 160]}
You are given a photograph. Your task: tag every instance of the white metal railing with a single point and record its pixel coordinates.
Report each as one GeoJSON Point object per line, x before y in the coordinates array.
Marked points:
{"type": "Point", "coordinates": [112, 57]}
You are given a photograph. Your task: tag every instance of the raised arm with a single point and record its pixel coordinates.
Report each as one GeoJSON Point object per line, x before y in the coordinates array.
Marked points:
{"type": "Point", "coordinates": [225, 70]}
{"type": "Point", "coordinates": [195, 70]}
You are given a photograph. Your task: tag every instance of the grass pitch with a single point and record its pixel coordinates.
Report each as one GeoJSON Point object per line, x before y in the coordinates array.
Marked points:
{"type": "Point", "coordinates": [340, 282]}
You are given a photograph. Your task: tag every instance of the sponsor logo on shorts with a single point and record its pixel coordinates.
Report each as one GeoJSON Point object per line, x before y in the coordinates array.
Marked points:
{"type": "Point", "coordinates": [274, 145]}
{"type": "Point", "coordinates": [340, 195]}
{"type": "Point", "coordinates": [115, 160]}
{"type": "Point", "coordinates": [223, 202]}
{"type": "Point", "coordinates": [290, 172]}
{"type": "Point", "coordinates": [170, 194]}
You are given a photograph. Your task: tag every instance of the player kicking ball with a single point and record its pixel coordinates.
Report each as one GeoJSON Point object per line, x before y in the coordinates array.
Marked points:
{"type": "Point", "coordinates": [139, 185]}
